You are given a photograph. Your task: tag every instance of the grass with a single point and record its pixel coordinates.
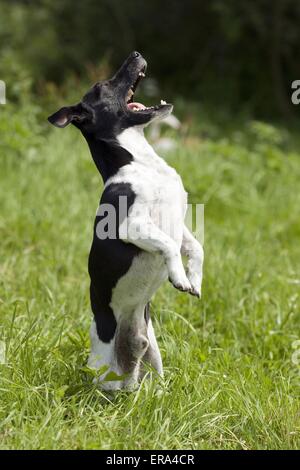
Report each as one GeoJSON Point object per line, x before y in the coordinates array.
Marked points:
{"type": "Point", "coordinates": [230, 382]}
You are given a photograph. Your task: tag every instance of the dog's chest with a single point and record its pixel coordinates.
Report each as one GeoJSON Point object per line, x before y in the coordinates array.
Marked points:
{"type": "Point", "coordinates": [152, 179]}
{"type": "Point", "coordinates": [158, 184]}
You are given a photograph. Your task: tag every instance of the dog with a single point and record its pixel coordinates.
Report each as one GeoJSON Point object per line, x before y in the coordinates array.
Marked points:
{"type": "Point", "coordinates": [128, 267]}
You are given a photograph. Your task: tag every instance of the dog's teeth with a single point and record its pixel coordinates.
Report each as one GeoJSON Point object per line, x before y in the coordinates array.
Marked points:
{"type": "Point", "coordinates": [129, 94]}
{"type": "Point", "coordinates": [141, 74]}
{"type": "Point", "coordinates": [163, 102]}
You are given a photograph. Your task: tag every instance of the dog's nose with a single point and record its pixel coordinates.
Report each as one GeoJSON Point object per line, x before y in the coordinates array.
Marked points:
{"type": "Point", "coordinates": [136, 54]}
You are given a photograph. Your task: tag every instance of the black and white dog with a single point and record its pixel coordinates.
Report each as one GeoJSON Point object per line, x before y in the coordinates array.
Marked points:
{"type": "Point", "coordinates": [128, 268]}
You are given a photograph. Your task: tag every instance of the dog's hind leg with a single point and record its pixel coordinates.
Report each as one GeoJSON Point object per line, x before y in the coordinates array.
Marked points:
{"type": "Point", "coordinates": [102, 336]}
{"type": "Point", "coordinates": [131, 344]}
{"type": "Point", "coordinates": [101, 353]}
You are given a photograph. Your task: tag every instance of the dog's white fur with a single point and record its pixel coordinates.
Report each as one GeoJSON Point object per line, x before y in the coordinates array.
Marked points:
{"type": "Point", "coordinates": [155, 184]}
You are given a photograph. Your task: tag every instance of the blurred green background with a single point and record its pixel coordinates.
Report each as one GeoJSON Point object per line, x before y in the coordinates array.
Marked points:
{"type": "Point", "coordinates": [238, 54]}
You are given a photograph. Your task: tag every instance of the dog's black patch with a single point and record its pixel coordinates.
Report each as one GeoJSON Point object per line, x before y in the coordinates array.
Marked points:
{"type": "Point", "coordinates": [108, 156]}
{"type": "Point", "coordinates": [104, 317]}
{"type": "Point", "coordinates": [109, 260]}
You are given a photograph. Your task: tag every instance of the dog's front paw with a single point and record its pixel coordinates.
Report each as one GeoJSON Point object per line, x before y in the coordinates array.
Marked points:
{"type": "Point", "coordinates": [195, 281]}
{"type": "Point", "coordinates": [180, 282]}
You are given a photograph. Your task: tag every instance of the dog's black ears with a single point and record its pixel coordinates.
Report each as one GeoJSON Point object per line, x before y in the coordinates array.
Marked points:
{"type": "Point", "coordinates": [68, 114]}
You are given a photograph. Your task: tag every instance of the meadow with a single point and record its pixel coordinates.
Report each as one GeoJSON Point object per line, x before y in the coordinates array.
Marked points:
{"type": "Point", "coordinates": [230, 378]}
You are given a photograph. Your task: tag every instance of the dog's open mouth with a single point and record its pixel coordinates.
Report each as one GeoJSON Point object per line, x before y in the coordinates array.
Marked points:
{"type": "Point", "coordinates": [135, 105]}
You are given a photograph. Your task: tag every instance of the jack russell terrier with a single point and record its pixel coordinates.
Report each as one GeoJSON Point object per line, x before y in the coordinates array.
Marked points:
{"type": "Point", "coordinates": [127, 267]}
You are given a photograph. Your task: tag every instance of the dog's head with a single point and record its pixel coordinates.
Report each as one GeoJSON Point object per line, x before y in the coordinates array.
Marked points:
{"type": "Point", "coordinates": [108, 107]}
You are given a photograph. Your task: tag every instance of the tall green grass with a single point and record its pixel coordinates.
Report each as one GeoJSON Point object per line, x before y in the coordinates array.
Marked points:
{"type": "Point", "coordinates": [230, 382]}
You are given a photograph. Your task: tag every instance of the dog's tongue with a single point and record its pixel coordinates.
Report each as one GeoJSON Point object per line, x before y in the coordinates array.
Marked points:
{"type": "Point", "coordinates": [136, 106]}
